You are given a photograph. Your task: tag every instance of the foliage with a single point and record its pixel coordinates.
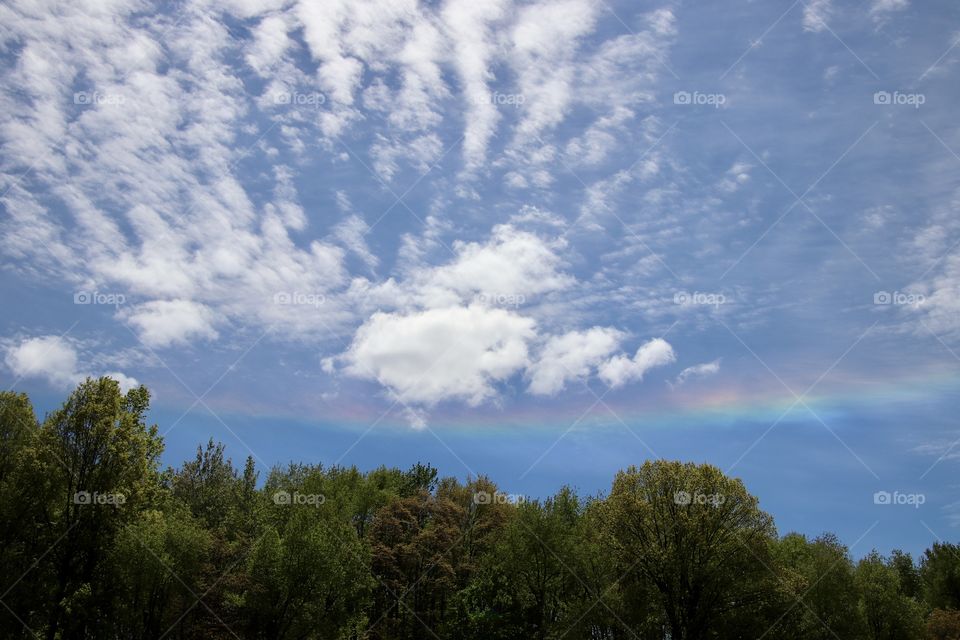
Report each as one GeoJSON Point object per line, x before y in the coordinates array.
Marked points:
{"type": "Point", "coordinates": [97, 542]}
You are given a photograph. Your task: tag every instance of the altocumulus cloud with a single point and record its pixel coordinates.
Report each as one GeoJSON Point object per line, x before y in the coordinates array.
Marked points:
{"type": "Point", "coordinates": [164, 157]}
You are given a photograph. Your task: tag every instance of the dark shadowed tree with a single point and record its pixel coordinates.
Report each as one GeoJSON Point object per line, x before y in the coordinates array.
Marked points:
{"type": "Point", "coordinates": [940, 573]}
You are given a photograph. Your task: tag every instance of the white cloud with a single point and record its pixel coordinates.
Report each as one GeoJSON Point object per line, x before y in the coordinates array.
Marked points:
{"type": "Point", "coordinates": [571, 356]}
{"type": "Point", "coordinates": [146, 196]}
{"type": "Point", "coordinates": [620, 370]}
{"type": "Point", "coordinates": [440, 354]}
{"type": "Point", "coordinates": [456, 329]}
{"type": "Point", "coordinates": [698, 371]}
{"type": "Point", "coordinates": [54, 359]}
{"type": "Point", "coordinates": [545, 40]}
{"type": "Point", "coordinates": [352, 234]}
{"type": "Point", "coordinates": [270, 43]}
{"type": "Point", "coordinates": [48, 357]}
{"type": "Point", "coordinates": [511, 267]}
{"type": "Point", "coordinates": [815, 15]}
{"type": "Point", "coordinates": [162, 323]}
{"type": "Point", "coordinates": [599, 139]}
{"type": "Point", "coordinates": [126, 382]}
{"type": "Point", "coordinates": [888, 6]}
{"type": "Point", "coordinates": [511, 263]}
{"type": "Point", "coordinates": [469, 24]}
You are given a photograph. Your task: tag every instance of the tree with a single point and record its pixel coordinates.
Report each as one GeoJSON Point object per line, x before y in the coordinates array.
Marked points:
{"type": "Point", "coordinates": [943, 625]}
{"type": "Point", "coordinates": [308, 571]}
{"type": "Point", "coordinates": [695, 536]}
{"type": "Point", "coordinates": [909, 573]}
{"type": "Point", "coordinates": [23, 495]}
{"type": "Point", "coordinates": [412, 542]}
{"type": "Point", "coordinates": [940, 573]}
{"type": "Point", "coordinates": [531, 571]}
{"type": "Point", "coordinates": [158, 566]}
{"type": "Point", "coordinates": [99, 462]}
{"type": "Point", "coordinates": [889, 614]}
{"type": "Point", "coordinates": [819, 589]}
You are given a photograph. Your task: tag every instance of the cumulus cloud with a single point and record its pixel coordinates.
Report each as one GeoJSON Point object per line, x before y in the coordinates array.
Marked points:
{"type": "Point", "coordinates": [439, 354]}
{"type": "Point", "coordinates": [571, 356]}
{"type": "Point", "coordinates": [621, 369]}
{"type": "Point", "coordinates": [697, 371]}
{"type": "Point", "coordinates": [454, 330]}
{"type": "Point", "coordinates": [54, 359]}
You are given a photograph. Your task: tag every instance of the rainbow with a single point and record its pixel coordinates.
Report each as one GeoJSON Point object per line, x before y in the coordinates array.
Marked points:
{"type": "Point", "coordinates": [702, 404]}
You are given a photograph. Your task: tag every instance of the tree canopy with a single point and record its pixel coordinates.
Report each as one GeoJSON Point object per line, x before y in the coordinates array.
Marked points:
{"type": "Point", "coordinates": [98, 541]}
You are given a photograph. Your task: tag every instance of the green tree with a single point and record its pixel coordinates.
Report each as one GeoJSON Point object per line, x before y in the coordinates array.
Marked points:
{"type": "Point", "coordinates": [909, 573]}
{"type": "Point", "coordinates": [819, 589]}
{"type": "Point", "coordinates": [940, 573]}
{"type": "Point", "coordinates": [158, 566]}
{"type": "Point", "coordinates": [532, 570]}
{"type": "Point", "coordinates": [308, 571]}
{"type": "Point", "coordinates": [23, 513]}
{"type": "Point", "coordinates": [889, 614]}
{"type": "Point", "coordinates": [98, 460]}
{"type": "Point", "coordinates": [697, 537]}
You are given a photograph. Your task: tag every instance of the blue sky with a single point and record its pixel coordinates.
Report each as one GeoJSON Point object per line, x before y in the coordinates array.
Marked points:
{"type": "Point", "coordinates": [536, 240]}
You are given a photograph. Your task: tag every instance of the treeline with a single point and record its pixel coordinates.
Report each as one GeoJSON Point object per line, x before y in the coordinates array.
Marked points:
{"type": "Point", "coordinates": [97, 541]}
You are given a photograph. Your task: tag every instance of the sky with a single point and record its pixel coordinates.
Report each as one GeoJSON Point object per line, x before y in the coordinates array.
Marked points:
{"type": "Point", "coordinates": [540, 241]}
